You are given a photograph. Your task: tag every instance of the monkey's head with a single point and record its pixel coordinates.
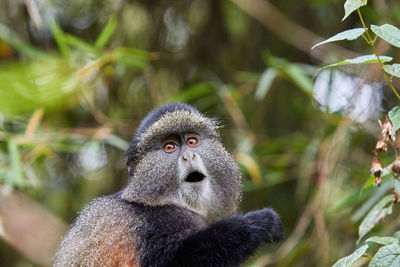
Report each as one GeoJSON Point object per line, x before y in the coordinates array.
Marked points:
{"type": "Point", "coordinates": [176, 157]}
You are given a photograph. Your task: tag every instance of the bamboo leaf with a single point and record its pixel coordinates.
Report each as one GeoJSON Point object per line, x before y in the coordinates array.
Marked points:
{"type": "Point", "coordinates": [79, 43]}
{"type": "Point", "coordinates": [346, 35]}
{"type": "Point", "coordinates": [105, 35]}
{"type": "Point", "coordinates": [11, 38]}
{"type": "Point", "coordinates": [266, 80]}
{"type": "Point", "coordinates": [299, 77]}
{"type": "Point", "coordinates": [60, 39]}
{"type": "Point", "coordinates": [194, 92]}
{"type": "Point", "coordinates": [29, 85]}
{"type": "Point", "coordinates": [15, 159]}
{"type": "Point", "coordinates": [117, 142]}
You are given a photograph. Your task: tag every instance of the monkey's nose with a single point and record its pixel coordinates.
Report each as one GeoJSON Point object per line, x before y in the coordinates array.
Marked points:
{"type": "Point", "coordinates": [188, 155]}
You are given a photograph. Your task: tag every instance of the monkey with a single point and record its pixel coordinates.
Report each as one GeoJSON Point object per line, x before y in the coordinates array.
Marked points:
{"type": "Point", "coordinates": [178, 206]}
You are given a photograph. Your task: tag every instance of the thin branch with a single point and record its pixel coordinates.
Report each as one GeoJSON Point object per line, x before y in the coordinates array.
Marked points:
{"type": "Point", "coordinates": [297, 36]}
{"type": "Point", "coordinates": [372, 44]}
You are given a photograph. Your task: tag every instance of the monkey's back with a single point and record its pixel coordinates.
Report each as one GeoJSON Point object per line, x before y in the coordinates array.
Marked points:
{"type": "Point", "coordinates": [105, 234]}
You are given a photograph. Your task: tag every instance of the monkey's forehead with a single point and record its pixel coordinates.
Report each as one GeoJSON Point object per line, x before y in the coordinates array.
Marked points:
{"type": "Point", "coordinates": [180, 122]}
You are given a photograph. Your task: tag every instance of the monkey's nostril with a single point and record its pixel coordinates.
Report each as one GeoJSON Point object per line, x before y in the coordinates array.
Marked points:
{"type": "Point", "coordinates": [195, 177]}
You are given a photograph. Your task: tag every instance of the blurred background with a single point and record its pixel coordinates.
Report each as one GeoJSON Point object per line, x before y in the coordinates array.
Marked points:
{"type": "Point", "coordinates": [77, 76]}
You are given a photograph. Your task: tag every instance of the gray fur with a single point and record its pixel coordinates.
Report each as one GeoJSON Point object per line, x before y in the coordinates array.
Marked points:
{"type": "Point", "coordinates": [156, 179]}
{"type": "Point", "coordinates": [84, 244]}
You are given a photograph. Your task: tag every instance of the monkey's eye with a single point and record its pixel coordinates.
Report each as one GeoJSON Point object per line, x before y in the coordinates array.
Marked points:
{"type": "Point", "coordinates": [192, 141]}
{"type": "Point", "coordinates": [169, 147]}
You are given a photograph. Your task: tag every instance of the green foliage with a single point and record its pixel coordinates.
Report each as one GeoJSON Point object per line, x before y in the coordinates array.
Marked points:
{"type": "Point", "coordinates": [10, 37]}
{"type": "Point", "coordinates": [55, 82]}
{"type": "Point", "coordinates": [393, 69]}
{"type": "Point", "coordinates": [389, 33]}
{"type": "Point", "coordinates": [47, 82]}
{"type": "Point", "coordinates": [16, 177]}
{"type": "Point", "coordinates": [90, 79]}
{"type": "Point", "coordinates": [394, 117]}
{"type": "Point", "coordinates": [389, 254]}
{"type": "Point", "coordinates": [360, 60]}
{"type": "Point", "coordinates": [350, 259]}
{"type": "Point", "coordinates": [345, 35]}
{"type": "Point", "coordinates": [105, 35]}
{"type": "Point", "coordinates": [375, 215]}
{"type": "Point", "coordinates": [396, 185]}
{"type": "Point", "coordinates": [382, 240]}
{"type": "Point", "coordinates": [352, 5]}
{"type": "Point", "coordinates": [266, 80]}
{"type": "Point", "coordinates": [296, 73]}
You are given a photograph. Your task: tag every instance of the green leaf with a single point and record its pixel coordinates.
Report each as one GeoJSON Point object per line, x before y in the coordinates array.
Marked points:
{"type": "Point", "coordinates": [131, 57]}
{"type": "Point", "coordinates": [11, 38]}
{"type": "Point", "coordinates": [60, 39]}
{"type": "Point", "coordinates": [105, 35]}
{"type": "Point", "coordinates": [396, 185]}
{"type": "Point", "coordinates": [346, 35]}
{"type": "Point", "coordinates": [349, 260]}
{"type": "Point", "coordinates": [266, 80]}
{"type": "Point", "coordinates": [370, 182]}
{"type": "Point", "coordinates": [295, 73]}
{"type": "Point", "coordinates": [194, 92]}
{"type": "Point", "coordinates": [15, 158]}
{"type": "Point", "coordinates": [359, 60]}
{"type": "Point", "coordinates": [352, 5]}
{"type": "Point", "coordinates": [397, 235]}
{"type": "Point", "coordinates": [244, 76]}
{"type": "Point", "coordinates": [387, 256]}
{"type": "Point", "coordinates": [79, 43]}
{"type": "Point", "coordinates": [386, 240]}
{"type": "Point", "coordinates": [356, 197]}
{"type": "Point", "coordinates": [389, 33]}
{"type": "Point", "coordinates": [375, 215]}
{"type": "Point", "coordinates": [29, 85]}
{"type": "Point", "coordinates": [394, 117]}
{"type": "Point", "coordinates": [393, 69]}
{"type": "Point", "coordinates": [299, 77]}
{"type": "Point", "coordinates": [117, 142]}
{"type": "Point", "coordinates": [386, 172]}
{"type": "Point", "coordinates": [378, 194]}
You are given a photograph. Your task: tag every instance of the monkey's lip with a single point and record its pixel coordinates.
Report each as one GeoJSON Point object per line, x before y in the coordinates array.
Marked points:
{"type": "Point", "coordinates": [195, 177]}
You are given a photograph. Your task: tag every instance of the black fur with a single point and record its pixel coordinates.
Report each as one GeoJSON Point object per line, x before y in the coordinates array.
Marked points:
{"type": "Point", "coordinates": [143, 225]}
{"type": "Point", "coordinates": [173, 236]}
{"type": "Point", "coordinates": [152, 117]}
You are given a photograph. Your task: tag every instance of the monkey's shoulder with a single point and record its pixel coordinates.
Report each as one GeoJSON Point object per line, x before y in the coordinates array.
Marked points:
{"type": "Point", "coordinates": [104, 234]}
{"type": "Point", "coordinates": [112, 232]}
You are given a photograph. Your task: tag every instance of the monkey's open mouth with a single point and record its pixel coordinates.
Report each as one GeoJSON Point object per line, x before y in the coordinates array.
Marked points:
{"type": "Point", "coordinates": [195, 177]}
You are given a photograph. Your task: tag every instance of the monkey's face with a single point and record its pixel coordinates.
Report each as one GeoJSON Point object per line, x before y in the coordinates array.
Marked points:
{"type": "Point", "coordinates": [184, 163]}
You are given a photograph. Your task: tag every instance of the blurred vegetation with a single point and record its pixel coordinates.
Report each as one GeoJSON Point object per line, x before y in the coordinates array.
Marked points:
{"type": "Point", "coordinates": [76, 78]}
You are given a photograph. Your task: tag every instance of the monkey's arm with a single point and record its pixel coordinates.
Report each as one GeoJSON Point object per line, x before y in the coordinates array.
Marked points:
{"type": "Point", "coordinates": [227, 242]}
{"type": "Point", "coordinates": [230, 241]}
